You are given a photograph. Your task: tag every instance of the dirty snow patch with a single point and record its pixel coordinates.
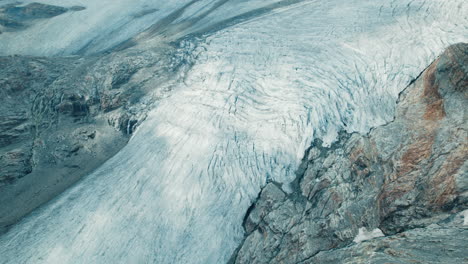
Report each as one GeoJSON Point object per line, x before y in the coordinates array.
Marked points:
{"type": "Point", "coordinates": [364, 235]}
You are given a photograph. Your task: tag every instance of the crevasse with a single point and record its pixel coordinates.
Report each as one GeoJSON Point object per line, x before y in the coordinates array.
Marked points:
{"type": "Point", "coordinates": [259, 91]}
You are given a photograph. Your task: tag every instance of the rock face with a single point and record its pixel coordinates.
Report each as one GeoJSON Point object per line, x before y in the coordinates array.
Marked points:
{"type": "Point", "coordinates": [62, 117]}
{"type": "Point", "coordinates": [407, 178]}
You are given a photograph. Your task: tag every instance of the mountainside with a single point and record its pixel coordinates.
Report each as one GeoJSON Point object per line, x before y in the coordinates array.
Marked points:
{"type": "Point", "coordinates": [406, 180]}
{"type": "Point", "coordinates": [61, 118]}
{"type": "Point", "coordinates": [143, 131]}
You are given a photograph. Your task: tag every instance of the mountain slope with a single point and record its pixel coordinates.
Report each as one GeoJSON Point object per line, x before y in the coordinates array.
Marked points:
{"type": "Point", "coordinates": [408, 178]}
{"type": "Point", "coordinates": [256, 82]}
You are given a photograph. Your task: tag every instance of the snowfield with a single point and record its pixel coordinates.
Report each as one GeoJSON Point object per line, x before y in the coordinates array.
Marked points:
{"type": "Point", "coordinates": [267, 79]}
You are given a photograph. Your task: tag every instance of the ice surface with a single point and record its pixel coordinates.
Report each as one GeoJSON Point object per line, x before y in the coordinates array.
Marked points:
{"type": "Point", "coordinates": [106, 23]}
{"type": "Point", "coordinates": [258, 93]}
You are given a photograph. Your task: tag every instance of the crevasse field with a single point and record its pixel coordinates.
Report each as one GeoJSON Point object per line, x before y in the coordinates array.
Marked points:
{"type": "Point", "coordinates": [266, 78]}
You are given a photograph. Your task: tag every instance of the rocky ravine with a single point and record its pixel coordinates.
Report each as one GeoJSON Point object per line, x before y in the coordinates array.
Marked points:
{"type": "Point", "coordinates": [62, 117]}
{"type": "Point", "coordinates": [407, 178]}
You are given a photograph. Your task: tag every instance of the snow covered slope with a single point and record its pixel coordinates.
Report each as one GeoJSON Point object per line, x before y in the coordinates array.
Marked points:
{"type": "Point", "coordinates": [106, 23]}
{"type": "Point", "coordinates": [260, 89]}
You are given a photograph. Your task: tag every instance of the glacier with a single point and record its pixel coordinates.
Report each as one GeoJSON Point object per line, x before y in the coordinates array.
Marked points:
{"type": "Point", "coordinates": [267, 78]}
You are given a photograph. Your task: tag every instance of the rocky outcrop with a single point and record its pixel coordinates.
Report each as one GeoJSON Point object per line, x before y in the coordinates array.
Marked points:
{"type": "Point", "coordinates": [443, 242]}
{"type": "Point", "coordinates": [406, 180]}
{"type": "Point", "coordinates": [62, 117]}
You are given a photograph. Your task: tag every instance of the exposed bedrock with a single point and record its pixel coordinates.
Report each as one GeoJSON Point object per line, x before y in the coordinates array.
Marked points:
{"type": "Point", "coordinates": [406, 180]}
{"type": "Point", "coordinates": [62, 117]}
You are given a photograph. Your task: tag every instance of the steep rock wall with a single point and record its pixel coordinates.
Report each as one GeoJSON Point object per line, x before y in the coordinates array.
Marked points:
{"type": "Point", "coordinates": [407, 178]}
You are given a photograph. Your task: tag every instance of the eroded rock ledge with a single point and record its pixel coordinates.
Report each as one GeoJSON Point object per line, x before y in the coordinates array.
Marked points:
{"type": "Point", "coordinates": [408, 178]}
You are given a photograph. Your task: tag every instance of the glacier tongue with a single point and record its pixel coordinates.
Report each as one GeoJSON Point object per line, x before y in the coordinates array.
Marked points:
{"type": "Point", "coordinates": [258, 93]}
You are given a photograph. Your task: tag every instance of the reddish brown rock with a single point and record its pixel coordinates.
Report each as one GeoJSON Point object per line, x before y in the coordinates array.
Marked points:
{"type": "Point", "coordinates": [407, 177]}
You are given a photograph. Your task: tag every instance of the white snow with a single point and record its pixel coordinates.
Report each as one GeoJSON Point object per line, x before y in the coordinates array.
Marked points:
{"type": "Point", "coordinates": [106, 23]}
{"type": "Point", "coordinates": [364, 235]}
{"type": "Point", "coordinates": [257, 95]}
{"type": "Point", "coordinates": [101, 25]}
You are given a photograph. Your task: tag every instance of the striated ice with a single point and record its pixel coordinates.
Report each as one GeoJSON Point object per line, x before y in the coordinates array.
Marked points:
{"type": "Point", "coordinates": [259, 91]}
{"type": "Point", "coordinates": [107, 23]}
